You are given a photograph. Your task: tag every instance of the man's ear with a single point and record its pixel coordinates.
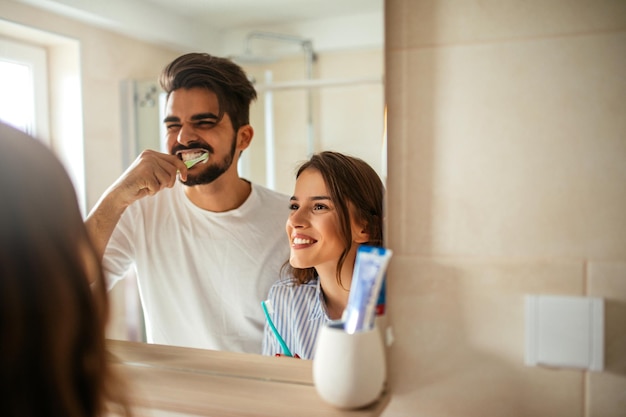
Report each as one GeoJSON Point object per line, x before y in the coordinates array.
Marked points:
{"type": "Point", "coordinates": [244, 137]}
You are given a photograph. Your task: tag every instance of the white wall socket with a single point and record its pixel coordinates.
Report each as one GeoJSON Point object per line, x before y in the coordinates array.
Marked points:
{"type": "Point", "coordinates": [565, 331]}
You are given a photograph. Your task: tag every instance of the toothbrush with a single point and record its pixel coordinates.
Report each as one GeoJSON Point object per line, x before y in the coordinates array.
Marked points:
{"type": "Point", "coordinates": [194, 161]}
{"type": "Point", "coordinates": [268, 308]}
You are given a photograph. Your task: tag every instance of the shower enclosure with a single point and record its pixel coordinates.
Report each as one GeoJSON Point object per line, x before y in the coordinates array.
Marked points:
{"type": "Point", "coordinates": [250, 58]}
{"type": "Point", "coordinates": [308, 102]}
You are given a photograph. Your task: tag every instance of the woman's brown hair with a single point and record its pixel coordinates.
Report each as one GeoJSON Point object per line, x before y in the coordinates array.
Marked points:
{"type": "Point", "coordinates": [353, 185]}
{"type": "Point", "coordinates": [53, 358]}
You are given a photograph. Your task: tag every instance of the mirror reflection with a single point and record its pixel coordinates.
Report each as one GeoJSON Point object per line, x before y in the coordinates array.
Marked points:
{"type": "Point", "coordinates": [307, 102]}
{"type": "Point", "coordinates": [315, 92]}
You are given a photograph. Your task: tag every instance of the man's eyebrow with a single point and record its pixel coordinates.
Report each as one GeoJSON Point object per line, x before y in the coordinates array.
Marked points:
{"type": "Point", "coordinates": [170, 119]}
{"type": "Point", "coordinates": [203, 116]}
{"type": "Point", "coordinates": [195, 117]}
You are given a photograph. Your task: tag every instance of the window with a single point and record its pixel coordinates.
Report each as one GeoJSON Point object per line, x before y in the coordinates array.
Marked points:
{"type": "Point", "coordinates": [32, 69]}
{"type": "Point", "coordinates": [23, 88]}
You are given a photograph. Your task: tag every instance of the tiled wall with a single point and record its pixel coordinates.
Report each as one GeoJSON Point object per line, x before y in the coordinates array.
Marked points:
{"type": "Point", "coordinates": [346, 110]}
{"type": "Point", "coordinates": [507, 176]}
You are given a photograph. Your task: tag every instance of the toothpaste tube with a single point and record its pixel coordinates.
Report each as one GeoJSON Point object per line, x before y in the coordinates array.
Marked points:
{"type": "Point", "coordinates": [367, 278]}
{"type": "Point", "coordinates": [382, 301]}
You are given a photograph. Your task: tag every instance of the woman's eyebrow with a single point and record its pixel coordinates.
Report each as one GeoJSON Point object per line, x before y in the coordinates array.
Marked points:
{"type": "Point", "coordinates": [313, 198]}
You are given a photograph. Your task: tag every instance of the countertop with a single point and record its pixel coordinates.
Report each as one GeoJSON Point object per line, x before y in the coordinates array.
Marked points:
{"type": "Point", "coordinates": [183, 381]}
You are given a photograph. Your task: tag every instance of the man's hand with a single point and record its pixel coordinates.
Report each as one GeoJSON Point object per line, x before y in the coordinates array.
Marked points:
{"type": "Point", "coordinates": [150, 173]}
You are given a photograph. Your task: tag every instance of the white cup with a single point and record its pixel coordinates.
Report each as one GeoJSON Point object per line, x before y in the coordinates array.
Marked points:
{"type": "Point", "coordinates": [349, 370]}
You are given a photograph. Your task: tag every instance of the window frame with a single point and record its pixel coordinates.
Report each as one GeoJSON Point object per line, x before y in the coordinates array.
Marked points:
{"type": "Point", "coordinates": [35, 57]}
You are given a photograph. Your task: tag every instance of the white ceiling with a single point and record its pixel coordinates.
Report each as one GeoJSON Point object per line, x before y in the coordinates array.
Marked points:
{"type": "Point", "coordinates": [230, 14]}
{"type": "Point", "coordinates": [212, 24]}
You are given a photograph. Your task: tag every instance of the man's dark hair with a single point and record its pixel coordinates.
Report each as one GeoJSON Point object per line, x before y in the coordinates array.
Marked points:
{"type": "Point", "coordinates": [222, 76]}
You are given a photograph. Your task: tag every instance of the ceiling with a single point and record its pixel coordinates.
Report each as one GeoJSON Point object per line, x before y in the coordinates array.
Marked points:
{"type": "Point", "coordinates": [185, 24]}
{"type": "Point", "coordinates": [229, 14]}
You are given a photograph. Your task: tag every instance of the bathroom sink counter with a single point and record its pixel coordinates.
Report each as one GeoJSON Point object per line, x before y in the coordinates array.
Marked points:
{"type": "Point", "coordinates": [173, 380]}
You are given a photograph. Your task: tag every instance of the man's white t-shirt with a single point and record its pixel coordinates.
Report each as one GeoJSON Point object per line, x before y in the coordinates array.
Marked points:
{"type": "Point", "coordinates": [202, 275]}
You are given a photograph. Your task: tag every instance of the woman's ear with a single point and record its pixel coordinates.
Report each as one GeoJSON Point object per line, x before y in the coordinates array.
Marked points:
{"type": "Point", "coordinates": [360, 233]}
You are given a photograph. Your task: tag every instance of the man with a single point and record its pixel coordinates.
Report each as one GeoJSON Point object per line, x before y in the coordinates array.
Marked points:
{"type": "Point", "coordinates": [208, 246]}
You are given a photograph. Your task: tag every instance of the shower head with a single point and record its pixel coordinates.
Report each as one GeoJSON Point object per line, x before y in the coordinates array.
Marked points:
{"type": "Point", "coordinates": [250, 58]}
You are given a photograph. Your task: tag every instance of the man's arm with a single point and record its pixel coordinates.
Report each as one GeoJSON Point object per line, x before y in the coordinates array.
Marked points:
{"type": "Point", "coordinates": [150, 173]}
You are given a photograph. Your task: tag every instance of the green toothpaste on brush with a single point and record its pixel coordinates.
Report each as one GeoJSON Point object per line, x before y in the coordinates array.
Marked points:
{"type": "Point", "coordinates": [194, 161]}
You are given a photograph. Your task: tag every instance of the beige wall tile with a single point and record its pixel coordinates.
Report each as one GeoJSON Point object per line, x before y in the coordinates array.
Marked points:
{"type": "Point", "coordinates": [459, 338]}
{"type": "Point", "coordinates": [413, 24]}
{"type": "Point", "coordinates": [507, 162]}
{"type": "Point", "coordinates": [510, 149]}
{"type": "Point", "coordinates": [606, 391]}
{"type": "Point", "coordinates": [409, 84]}
{"type": "Point", "coordinates": [606, 394]}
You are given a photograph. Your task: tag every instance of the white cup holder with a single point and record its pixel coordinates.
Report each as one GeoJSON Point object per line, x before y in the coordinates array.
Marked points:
{"type": "Point", "coordinates": [349, 370]}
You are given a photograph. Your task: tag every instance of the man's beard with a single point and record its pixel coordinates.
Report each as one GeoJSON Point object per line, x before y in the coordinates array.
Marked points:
{"type": "Point", "coordinates": [214, 170]}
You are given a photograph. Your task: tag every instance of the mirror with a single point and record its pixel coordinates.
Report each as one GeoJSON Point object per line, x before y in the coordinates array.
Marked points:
{"type": "Point", "coordinates": [333, 101]}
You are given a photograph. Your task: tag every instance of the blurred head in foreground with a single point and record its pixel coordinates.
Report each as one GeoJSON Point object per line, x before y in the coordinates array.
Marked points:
{"type": "Point", "coordinates": [53, 300]}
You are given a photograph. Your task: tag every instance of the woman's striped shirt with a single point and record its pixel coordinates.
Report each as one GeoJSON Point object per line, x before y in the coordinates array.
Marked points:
{"type": "Point", "coordinates": [298, 313]}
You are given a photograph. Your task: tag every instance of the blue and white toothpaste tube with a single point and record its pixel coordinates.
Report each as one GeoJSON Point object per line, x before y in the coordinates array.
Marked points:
{"type": "Point", "coordinates": [367, 278]}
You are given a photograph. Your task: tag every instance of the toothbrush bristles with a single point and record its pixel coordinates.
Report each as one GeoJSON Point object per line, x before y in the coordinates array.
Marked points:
{"type": "Point", "coordinates": [194, 161]}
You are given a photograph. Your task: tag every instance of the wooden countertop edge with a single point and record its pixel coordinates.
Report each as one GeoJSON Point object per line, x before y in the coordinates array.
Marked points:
{"type": "Point", "coordinates": [201, 382]}
{"type": "Point", "coordinates": [214, 362]}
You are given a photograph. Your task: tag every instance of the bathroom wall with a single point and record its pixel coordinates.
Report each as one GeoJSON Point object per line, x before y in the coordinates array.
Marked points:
{"type": "Point", "coordinates": [346, 110]}
{"type": "Point", "coordinates": [507, 176]}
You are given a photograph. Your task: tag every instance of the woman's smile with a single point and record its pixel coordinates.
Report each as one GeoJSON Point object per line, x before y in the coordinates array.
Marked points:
{"type": "Point", "coordinates": [301, 241]}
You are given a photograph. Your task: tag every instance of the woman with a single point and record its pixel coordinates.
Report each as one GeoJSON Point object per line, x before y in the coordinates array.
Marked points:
{"type": "Point", "coordinates": [53, 360]}
{"type": "Point", "coordinates": [337, 205]}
